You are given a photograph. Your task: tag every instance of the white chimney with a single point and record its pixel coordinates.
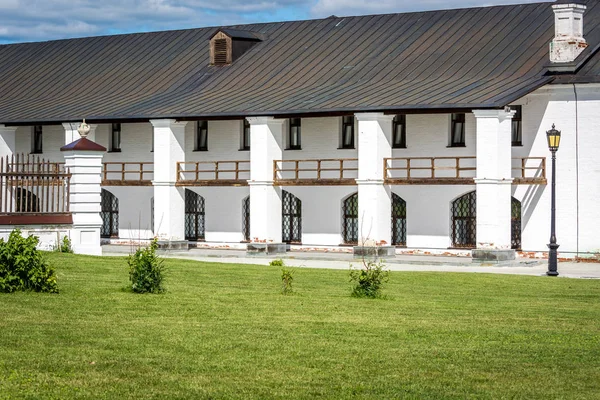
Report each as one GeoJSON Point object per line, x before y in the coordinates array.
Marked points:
{"type": "Point", "coordinates": [568, 40]}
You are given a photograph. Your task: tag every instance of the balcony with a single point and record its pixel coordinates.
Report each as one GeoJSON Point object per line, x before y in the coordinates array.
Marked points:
{"type": "Point", "coordinates": [127, 174]}
{"type": "Point", "coordinates": [325, 172]}
{"type": "Point", "coordinates": [213, 173]}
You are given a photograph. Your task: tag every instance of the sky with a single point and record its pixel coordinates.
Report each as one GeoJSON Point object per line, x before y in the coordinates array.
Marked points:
{"type": "Point", "coordinates": [41, 20]}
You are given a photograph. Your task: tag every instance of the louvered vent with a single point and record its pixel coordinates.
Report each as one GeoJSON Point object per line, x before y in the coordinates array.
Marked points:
{"type": "Point", "coordinates": [220, 51]}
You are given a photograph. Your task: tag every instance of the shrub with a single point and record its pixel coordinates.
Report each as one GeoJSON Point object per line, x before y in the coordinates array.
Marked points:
{"type": "Point", "coordinates": [146, 270]}
{"type": "Point", "coordinates": [277, 263]}
{"type": "Point", "coordinates": [368, 281]}
{"type": "Point", "coordinates": [23, 267]}
{"type": "Point", "coordinates": [64, 246]}
{"type": "Point", "coordinates": [287, 277]}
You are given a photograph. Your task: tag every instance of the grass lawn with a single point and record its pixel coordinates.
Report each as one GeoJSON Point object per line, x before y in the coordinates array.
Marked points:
{"type": "Point", "coordinates": [225, 331]}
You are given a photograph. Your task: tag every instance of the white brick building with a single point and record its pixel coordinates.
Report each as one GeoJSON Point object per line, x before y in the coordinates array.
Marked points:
{"type": "Point", "coordinates": [421, 131]}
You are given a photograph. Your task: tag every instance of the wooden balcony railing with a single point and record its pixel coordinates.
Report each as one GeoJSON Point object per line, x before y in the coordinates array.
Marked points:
{"type": "Point", "coordinates": [315, 172]}
{"type": "Point", "coordinates": [127, 174]}
{"type": "Point", "coordinates": [456, 170]}
{"type": "Point", "coordinates": [213, 173]}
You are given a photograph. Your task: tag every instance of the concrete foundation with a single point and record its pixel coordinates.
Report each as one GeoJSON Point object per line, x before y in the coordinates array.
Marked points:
{"type": "Point", "coordinates": [490, 255]}
{"type": "Point", "coordinates": [261, 249]}
{"type": "Point", "coordinates": [374, 252]}
{"type": "Point", "coordinates": [173, 245]}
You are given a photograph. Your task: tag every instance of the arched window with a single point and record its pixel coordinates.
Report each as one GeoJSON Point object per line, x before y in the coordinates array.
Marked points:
{"type": "Point", "coordinates": [246, 218]}
{"type": "Point", "coordinates": [398, 221]}
{"type": "Point", "coordinates": [464, 221]}
{"type": "Point", "coordinates": [26, 201]}
{"type": "Point", "coordinates": [291, 218]}
{"type": "Point", "coordinates": [109, 206]}
{"type": "Point", "coordinates": [350, 219]}
{"type": "Point", "coordinates": [515, 225]}
{"type": "Point", "coordinates": [194, 216]}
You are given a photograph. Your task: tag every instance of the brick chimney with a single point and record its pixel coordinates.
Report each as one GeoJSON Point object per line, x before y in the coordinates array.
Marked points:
{"type": "Point", "coordinates": [568, 40]}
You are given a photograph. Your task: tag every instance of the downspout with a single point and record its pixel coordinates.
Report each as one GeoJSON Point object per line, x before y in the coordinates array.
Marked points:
{"type": "Point", "coordinates": [576, 167]}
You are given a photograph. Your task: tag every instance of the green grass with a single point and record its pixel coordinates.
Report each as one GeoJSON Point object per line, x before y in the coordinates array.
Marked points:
{"type": "Point", "coordinates": [225, 331]}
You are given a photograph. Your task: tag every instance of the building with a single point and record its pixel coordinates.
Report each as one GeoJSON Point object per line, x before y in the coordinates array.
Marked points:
{"type": "Point", "coordinates": [418, 130]}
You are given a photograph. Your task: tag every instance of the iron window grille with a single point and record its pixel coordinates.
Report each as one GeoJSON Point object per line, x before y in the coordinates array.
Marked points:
{"type": "Point", "coordinates": [515, 224]}
{"type": "Point", "coordinates": [457, 130]}
{"type": "Point", "coordinates": [291, 218]}
{"type": "Point", "coordinates": [398, 221]}
{"type": "Point", "coordinates": [246, 218]}
{"type": "Point", "coordinates": [109, 206]}
{"type": "Point", "coordinates": [350, 219]}
{"type": "Point", "coordinates": [348, 132]}
{"type": "Point", "coordinates": [201, 142]}
{"type": "Point", "coordinates": [516, 126]}
{"type": "Point", "coordinates": [464, 221]}
{"type": "Point", "coordinates": [194, 216]}
{"type": "Point", "coordinates": [36, 140]}
{"type": "Point", "coordinates": [399, 132]}
{"type": "Point", "coordinates": [294, 134]}
{"type": "Point", "coordinates": [245, 142]}
{"type": "Point", "coordinates": [115, 137]}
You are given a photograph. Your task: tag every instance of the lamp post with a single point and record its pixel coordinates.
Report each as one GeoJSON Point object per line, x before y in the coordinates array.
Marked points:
{"type": "Point", "coordinates": [553, 137]}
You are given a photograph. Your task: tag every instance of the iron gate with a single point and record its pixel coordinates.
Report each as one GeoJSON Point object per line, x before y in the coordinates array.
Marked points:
{"type": "Point", "coordinates": [398, 221]}
{"type": "Point", "coordinates": [350, 219]}
{"type": "Point", "coordinates": [291, 218]}
{"type": "Point", "coordinates": [515, 224]}
{"type": "Point", "coordinates": [194, 216]}
{"type": "Point", "coordinates": [246, 218]}
{"type": "Point", "coordinates": [109, 206]}
{"type": "Point", "coordinates": [464, 221]}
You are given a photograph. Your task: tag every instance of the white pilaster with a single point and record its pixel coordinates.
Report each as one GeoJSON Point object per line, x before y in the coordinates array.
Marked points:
{"type": "Point", "coordinates": [493, 181]}
{"type": "Point", "coordinates": [374, 198]}
{"type": "Point", "coordinates": [169, 200]}
{"type": "Point", "coordinates": [7, 140]}
{"type": "Point", "coordinates": [72, 135]}
{"type": "Point", "coordinates": [84, 199]}
{"type": "Point", "coordinates": [266, 144]}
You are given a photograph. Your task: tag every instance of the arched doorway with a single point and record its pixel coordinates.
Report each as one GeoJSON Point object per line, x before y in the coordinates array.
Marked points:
{"type": "Point", "coordinates": [109, 206]}
{"type": "Point", "coordinates": [194, 216]}
{"type": "Point", "coordinates": [246, 218]}
{"type": "Point", "coordinates": [464, 221]}
{"type": "Point", "coordinates": [350, 219]}
{"type": "Point", "coordinates": [398, 221]}
{"type": "Point", "coordinates": [291, 218]}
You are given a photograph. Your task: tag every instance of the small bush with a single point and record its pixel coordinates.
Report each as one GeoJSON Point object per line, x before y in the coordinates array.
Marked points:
{"type": "Point", "coordinates": [368, 281]}
{"type": "Point", "coordinates": [287, 277]}
{"type": "Point", "coordinates": [64, 246]}
{"type": "Point", "coordinates": [146, 270]}
{"type": "Point", "coordinates": [23, 267]}
{"type": "Point", "coordinates": [277, 263]}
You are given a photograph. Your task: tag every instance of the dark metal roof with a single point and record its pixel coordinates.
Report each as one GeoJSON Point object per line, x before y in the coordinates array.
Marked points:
{"type": "Point", "coordinates": [466, 58]}
{"type": "Point", "coordinates": [240, 34]}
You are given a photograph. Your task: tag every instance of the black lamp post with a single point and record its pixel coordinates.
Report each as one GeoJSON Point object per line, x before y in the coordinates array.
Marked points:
{"type": "Point", "coordinates": [553, 142]}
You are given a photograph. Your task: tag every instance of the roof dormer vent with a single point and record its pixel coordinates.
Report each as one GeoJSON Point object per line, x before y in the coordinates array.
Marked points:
{"type": "Point", "coordinates": [227, 45]}
{"type": "Point", "coordinates": [568, 40]}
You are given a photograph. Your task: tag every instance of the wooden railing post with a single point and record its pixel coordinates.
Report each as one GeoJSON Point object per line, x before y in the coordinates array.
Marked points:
{"type": "Point", "coordinates": [457, 166]}
{"type": "Point", "coordinates": [216, 170]}
{"type": "Point", "coordinates": [318, 169]}
{"type": "Point", "coordinates": [408, 168]}
{"type": "Point", "coordinates": [342, 169]}
{"type": "Point", "coordinates": [297, 168]}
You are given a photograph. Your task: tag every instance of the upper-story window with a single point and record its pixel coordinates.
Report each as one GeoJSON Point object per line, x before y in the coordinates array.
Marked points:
{"type": "Point", "coordinates": [294, 134]}
{"type": "Point", "coordinates": [115, 137]}
{"type": "Point", "coordinates": [457, 130]}
{"type": "Point", "coordinates": [245, 139]}
{"type": "Point", "coordinates": [517, 127]}
{"type": "Point", "coordinates": [36, 140]}
{"type": "Point", "coordinates": [347, 141]}
{"type": "Point", "coordinates": [399, 132]}
{"type": "Point", "coordinates": [201, 138]}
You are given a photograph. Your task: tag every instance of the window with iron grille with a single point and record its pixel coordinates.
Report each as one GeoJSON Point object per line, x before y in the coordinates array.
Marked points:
{"type": "Point", "coordinates": [516, 127]}
{"type": "Point", "coordinates": [294, 134]}
{"type": "Point", "coordinates": [398, 221]}
{"type": "Point", "coordinates": [399, 132]}
{"type": "Point", "coordinates": [347, 140]}
{"type": "Point", "coordinates": [201, 142]}
{"type": "Point", "coordinates": [464, 221]}
{"type": "Point", "coordinates": [36, 140]}
{"type": "Point", "coordinates": [350, 219]}
{"type": "Point", "coordinates": [291, 221]}
{"type": "Point", "coordinates": [220, 51]}
{"type": "Point", "coordinates": [194, 216]}
{"type": "Point", "coordinates": [515, 224]}
{"type": "Point", "coordinates": [245, 140]}
{"type": "Point", "coordinates": [457, 130]}
{"type": "Point", "coordinates": [115, 137]}
{"type": "Point", "coordinates": [246, 218]}
{"type": "Point", "coordinates": [109, 206]}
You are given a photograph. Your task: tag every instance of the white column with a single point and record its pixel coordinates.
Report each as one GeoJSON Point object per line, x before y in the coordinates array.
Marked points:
{"type": "Point", "coordinates": [7, 140]}
{"type": "Point", "coordinates": [374, 198]}
{"type": "Point", "coordinates": [266, 143]}
{"type": "Point", "coordinates": [169, 200]}
{"type": "Point", "coordinates": [494, 179]}
{"type": "Point", "coordinates": [85, 166]}
{"type": "Point", "coordinates": [72, 135]}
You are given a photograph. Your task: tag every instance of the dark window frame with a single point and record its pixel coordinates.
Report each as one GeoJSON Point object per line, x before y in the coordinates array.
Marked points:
{"type": "Point", "coordinates": [399, 136]}
{"type": "Point", "coordinates": [201, 136]}
{"type": "Point", "coordinates": [516, 127]}
{"type": "Point", "coordinates": [245, 138]}
{"type": "Point", "coordinates": [294, 135]}
{"type": "Point", "coordinates": [457, 137]}
{"type": "Point", "coordinates": [115, 138]}
{"type": "Point", "coordinates": [347, 138]}
{"type": "Point", "coordinates": [37, 139]}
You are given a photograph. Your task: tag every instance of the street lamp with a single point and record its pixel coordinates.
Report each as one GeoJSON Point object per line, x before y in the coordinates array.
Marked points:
{"type": "Point", "coordinates": [553, 136]}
